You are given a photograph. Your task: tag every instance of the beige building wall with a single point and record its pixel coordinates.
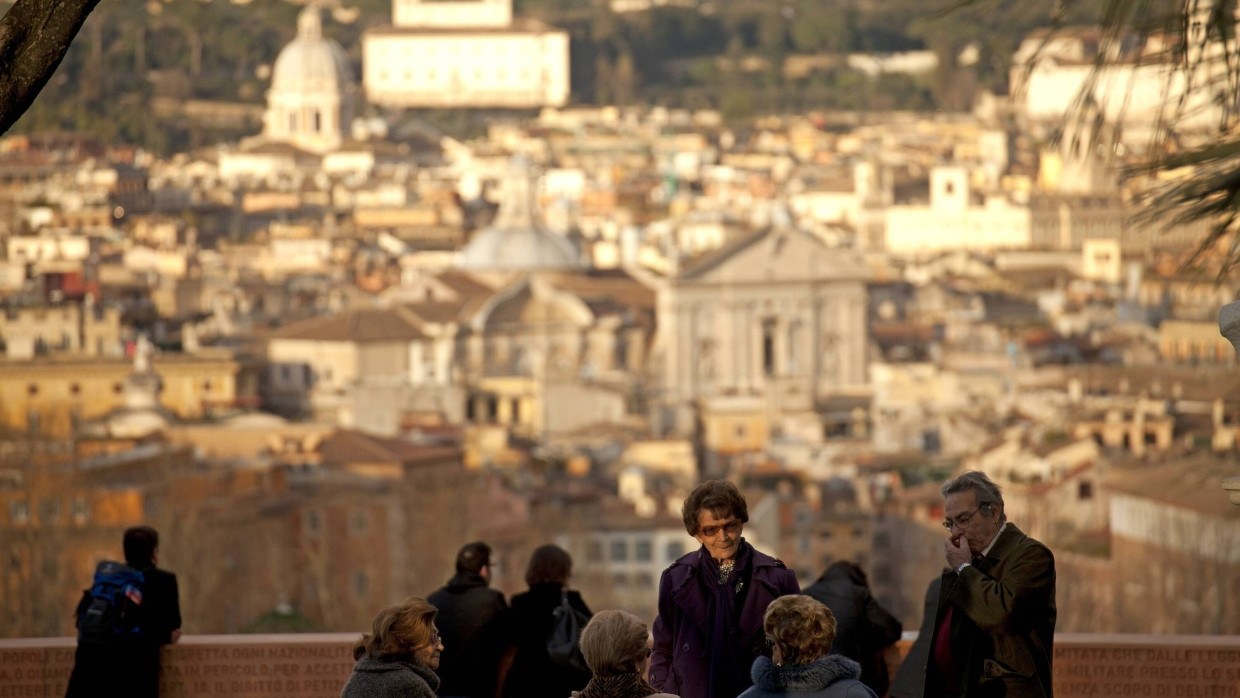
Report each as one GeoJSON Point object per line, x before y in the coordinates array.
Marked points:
{"type": "Point", "coordinates": [51, 396]}
{"type": "Point", "coordinates": [494, 68]}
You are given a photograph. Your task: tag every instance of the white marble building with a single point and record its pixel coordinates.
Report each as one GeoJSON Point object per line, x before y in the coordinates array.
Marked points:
{"type": "Point", "coordinates": [956, 218]}
{"type": "Point", "coordinates": [467, 53]}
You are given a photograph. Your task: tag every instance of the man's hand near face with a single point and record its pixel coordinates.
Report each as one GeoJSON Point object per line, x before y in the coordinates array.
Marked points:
{"type": "Point", "coordinates": [956, 549]}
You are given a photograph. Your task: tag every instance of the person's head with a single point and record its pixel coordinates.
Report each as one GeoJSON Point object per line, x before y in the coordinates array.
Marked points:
{"type": "Point", "coordinates": [550, 564]}
{"type": "Point", "coordinates": [403, 631]}
{"type": "Point", "coordinates": [474, 558]}
{"type": "Point", "coordinates": [974, 509]}
{"type": "Point", "coordinates": [614, 643]}
{"type": "Point", "coordinates": [848, 570]}
{"type": "Point", "coordinates": [800, 629]}
{"type": "Point", "coordinates": [141, 544]}
{"type": "Point", "coordinates": [715, 514]}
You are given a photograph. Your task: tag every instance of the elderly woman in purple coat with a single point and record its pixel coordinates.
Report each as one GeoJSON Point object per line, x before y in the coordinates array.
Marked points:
{"type": "Point", "coordinates": [711, 601]}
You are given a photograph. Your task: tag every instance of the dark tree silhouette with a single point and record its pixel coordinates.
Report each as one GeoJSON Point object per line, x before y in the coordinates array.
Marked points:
{"type": "Point", "coordinates": [34, 37]}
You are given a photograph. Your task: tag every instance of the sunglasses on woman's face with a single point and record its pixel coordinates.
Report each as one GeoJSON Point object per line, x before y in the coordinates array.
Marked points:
{"type": "Point", "coordinates": [732, 528]}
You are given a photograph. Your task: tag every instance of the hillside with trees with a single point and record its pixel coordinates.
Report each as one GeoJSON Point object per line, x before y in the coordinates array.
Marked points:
{"type": "Point", "coordinates": [134, 66]}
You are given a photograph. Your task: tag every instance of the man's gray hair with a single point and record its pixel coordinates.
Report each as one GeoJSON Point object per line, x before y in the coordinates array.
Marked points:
{"type": "Point", "coordinates": [986, 491]}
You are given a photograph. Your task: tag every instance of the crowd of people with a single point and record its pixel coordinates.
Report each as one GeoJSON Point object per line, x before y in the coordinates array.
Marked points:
{"type": "Point", "coordinates": [732, 621]}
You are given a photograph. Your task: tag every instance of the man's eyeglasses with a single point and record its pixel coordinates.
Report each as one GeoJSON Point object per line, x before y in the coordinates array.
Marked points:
{"type": "Point", "coordinates": [732, 528]}
{"type": "Point", "coordinates": [962, 520]}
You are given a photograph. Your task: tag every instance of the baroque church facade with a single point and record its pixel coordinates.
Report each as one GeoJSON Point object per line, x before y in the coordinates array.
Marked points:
{"type": "Point", "coordinates": [777, 317]}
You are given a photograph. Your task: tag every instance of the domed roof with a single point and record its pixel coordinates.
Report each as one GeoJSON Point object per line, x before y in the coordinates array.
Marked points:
{"type": "Point", "coordinates": [516, 242]}
{"type": "Point", "coordinates": [311, 63]}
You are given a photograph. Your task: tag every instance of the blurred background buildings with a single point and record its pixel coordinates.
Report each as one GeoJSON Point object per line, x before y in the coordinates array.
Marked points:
{"type": "Point", "coordinates": [321, 353]}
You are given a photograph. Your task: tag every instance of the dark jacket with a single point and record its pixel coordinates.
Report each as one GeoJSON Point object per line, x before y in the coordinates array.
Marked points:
{"type": "Point", "coordinates": [863, 627]}
{"type": "Point", "coordinates": [161, 606]}
{"type": "Point", "coordinates": [832, 676]}
{"type": "Point", "coordinates": [533, 673]}
{"type": "Point", "coordinates": [685, 639]}
{"type": "Point", "coordinates": [131, 666]}
{"type": "Point", "coordinates": [475, 626]}
{"type": "Point", "coordinates": [1003, 623]}
{"type": "Point", "coordinates": [379, 678]}
{"type": "Point", "coordinates": [910, 678]}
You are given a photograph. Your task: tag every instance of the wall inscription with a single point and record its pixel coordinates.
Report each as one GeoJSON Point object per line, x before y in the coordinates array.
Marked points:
{"type": "Point", "coordinates": [241, 666]}
{"type": "Point", "coordinates": [1158, 672]}
{"type": "Point", "coordinates": [317, 666]}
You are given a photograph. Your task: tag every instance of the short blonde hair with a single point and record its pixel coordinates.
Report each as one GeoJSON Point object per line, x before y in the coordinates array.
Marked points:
{"type": "Point", "coordinates": [614, 643]}
{"type": "Point", "coordinates": [398, 630]}
{"type": "Point", "coordinates": [801, 626]}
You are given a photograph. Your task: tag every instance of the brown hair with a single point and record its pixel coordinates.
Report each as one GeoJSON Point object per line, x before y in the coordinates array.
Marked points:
{"type": "Point", "coordinates": [614, 643]}
{"type": "Point", "coordinates": [398, 630]}
{"type": "Point", "coordinates": [720, 497]}
{"type": "Point", "coordinates": [550, 564]}
{"type": "Point", "coordinates": [801, 626]}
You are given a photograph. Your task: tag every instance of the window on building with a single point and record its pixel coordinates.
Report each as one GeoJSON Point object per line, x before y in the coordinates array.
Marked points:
{"type": "Point", "coordinates": [359, 523]}
{"type": "Point", "coordinates": [81, 510]}
{"type": "Point", "coordinates": [619, 550]}
{"type": "Point", "coordinates": [1085, 490]}
{"type": "Point", "coordinates": [768, 347]}
{"type": "Point", "coordinates": [360, 585]}
{"type": "Point", "coordinates": [594, 551]}
{"type": "Point", "coordinates": [19, 512]}
{"type": "Point", "coordinates": [642, 551]}
{"type": "Point", "coordinates": [674, 550]}
{"type": "Point", "coordinates": [312, 522]}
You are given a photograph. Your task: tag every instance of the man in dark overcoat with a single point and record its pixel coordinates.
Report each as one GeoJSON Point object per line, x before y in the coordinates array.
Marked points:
{"type": "Point", "coordinates": [995, 623]}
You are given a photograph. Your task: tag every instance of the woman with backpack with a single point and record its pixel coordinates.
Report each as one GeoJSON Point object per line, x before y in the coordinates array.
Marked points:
{"type": "Point", "coordinates": [543, 617]}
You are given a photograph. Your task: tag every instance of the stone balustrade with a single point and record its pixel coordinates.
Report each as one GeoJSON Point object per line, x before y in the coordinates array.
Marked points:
{"type": "Point", "coordinates": [317, 665]}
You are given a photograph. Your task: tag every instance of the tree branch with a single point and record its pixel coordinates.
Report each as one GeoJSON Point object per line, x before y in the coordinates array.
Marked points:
{"type": "Point", "coordinates": [34, 37]}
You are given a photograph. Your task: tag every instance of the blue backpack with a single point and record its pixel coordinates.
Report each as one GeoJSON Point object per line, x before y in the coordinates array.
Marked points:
{"type": "Point", "coordinates": [109, 609]}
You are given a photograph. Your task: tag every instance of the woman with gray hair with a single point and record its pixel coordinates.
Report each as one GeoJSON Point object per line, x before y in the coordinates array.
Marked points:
{"type": "Point", "coordinates": [614, 644]}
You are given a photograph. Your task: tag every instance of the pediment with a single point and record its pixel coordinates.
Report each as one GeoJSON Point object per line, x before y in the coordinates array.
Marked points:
{"type": "Point", "coordinates": [777, 256]}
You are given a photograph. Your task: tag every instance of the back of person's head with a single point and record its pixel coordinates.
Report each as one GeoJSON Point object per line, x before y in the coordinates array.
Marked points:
{"type": "Point", "coordinates": [398, 630]}
{"type": "Point", "coordinates": [473, 557]}
{"type": "Point", "coordinates": [614, 643]}
{"type": "Point", "coordinates": [140, 543]}
{"type": "Point", "coordinates": [801, 626]}
{"type": "Point", "coordinates": [550, 564]}
{"type": "Point", "coordinates": [848, 570]}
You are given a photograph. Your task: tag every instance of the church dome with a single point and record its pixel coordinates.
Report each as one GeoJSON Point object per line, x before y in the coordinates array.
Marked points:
{"type": "Point", "coordinates": [516, 241]}
{"type": "Point", "coordinates": [311, 63]}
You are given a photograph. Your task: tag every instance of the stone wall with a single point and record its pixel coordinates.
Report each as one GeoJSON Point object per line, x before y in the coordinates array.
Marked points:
{"type": "Point", "coordinates": [314, 666]}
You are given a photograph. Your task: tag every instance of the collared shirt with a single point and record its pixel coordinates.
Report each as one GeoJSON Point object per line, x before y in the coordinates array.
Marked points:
{"type": "Point", "coordinates": [991, 544]}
